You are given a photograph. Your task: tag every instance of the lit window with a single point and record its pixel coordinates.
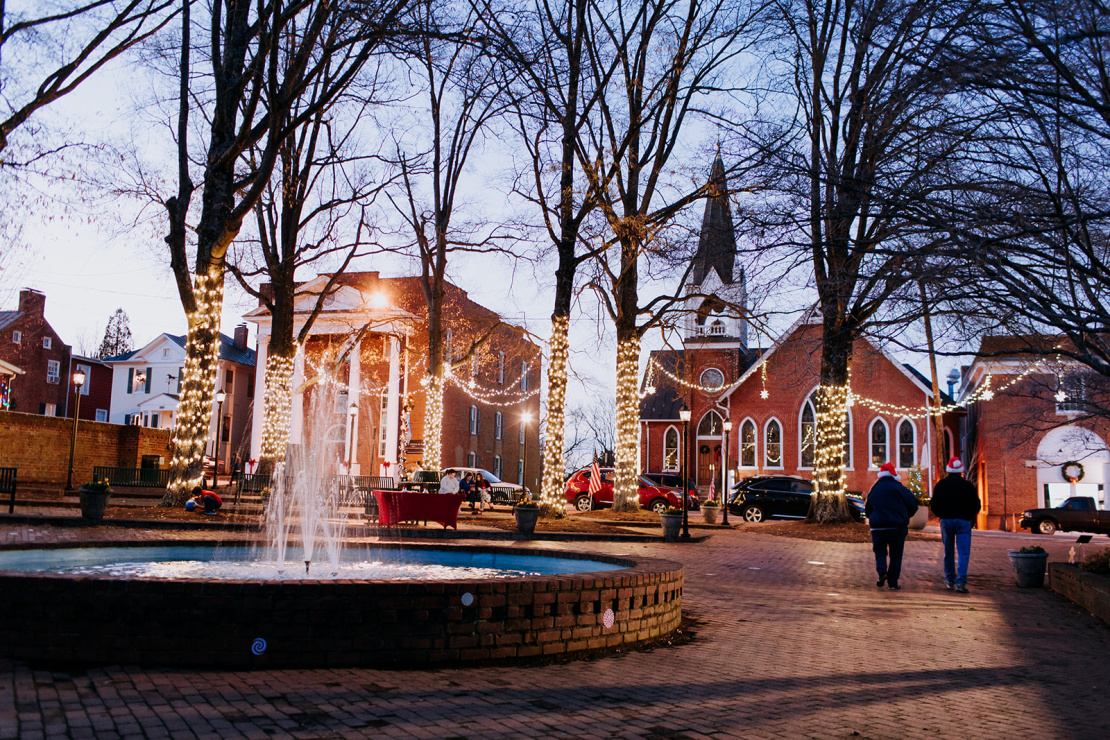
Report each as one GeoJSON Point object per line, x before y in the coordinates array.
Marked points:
{"type": "Point", "coordinates": [384, 426]}
{"type": "Point", "coordinates": [670, 449]}
{"type": "Point", "coordinates": [710, 425]}
{"type": "Point", "coordinates": [773, 445]}
{"type": "Point", "coordinates": [808, 435]}
{"type": "Point", "coordinates": [878, 443]}
{"type": "Point", "coordinates": [53, 372]}
{"type": "Point", "coordinates": [448, 354]}
{"type": "Point", "coordinates": [747, 444]}
{"type": "Point", "coordinates": [906, 444]}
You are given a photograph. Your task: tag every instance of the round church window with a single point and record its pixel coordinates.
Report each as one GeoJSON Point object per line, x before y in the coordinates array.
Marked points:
{"type": "Point", "coordinates": [712, 378]}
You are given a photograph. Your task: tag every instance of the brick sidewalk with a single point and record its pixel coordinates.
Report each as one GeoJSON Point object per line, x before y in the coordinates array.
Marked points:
{"type": "Point", "coordinates": [794, 640]}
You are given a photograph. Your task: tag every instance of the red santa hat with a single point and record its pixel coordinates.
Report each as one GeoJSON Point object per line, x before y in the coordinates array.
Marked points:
{"type": "Point", "coordinates": [886, 470]}
{"type": "Point", "coordinates": [955, 466]}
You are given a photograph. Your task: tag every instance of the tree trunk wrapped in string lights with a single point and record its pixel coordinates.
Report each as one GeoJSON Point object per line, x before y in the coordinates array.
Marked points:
{"type": "Point", "coordinates": [830, 503]}
{"type": "Point", "coordinates": [551, 492]}
{"type": "Point", "coordinates": [198, 384]}
{"type": "Point", "coordinates": [277, 409]}
{"type": "Point", "coordinates": [433, 422]}
{"type": "Point", "coordinates": [626, 488]}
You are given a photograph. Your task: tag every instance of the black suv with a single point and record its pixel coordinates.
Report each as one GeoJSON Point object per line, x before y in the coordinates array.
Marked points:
{"type": "Point", "coordinates": [761, 497]}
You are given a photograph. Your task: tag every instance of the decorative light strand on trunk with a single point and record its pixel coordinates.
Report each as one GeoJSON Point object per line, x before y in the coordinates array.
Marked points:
{"type": "Point", "coordinates": [278, 406]}
{"type": "Point", "coordinates": [433, 422]}
{"type": "Point", "coordinates": [554, 460]}
{"type": "Point", "coordinates": [626, 488]}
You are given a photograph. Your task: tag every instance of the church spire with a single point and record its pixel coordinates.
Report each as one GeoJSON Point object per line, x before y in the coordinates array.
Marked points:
{"type": "Point", "coordinates": [717, 244]}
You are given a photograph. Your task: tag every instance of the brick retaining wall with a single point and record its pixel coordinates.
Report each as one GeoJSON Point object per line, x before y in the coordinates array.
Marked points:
{"type": "Point", "coordinates": [1089, 590]}
{"type": "Point", "coordinates": [39, 446]}
{"type": "Point", "coordinates": [336, 623]}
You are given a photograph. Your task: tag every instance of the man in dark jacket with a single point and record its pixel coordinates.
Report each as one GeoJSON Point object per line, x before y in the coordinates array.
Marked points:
{"type": "Point", "coordinates": [889, 508]}
{"type": "Point", "coordinates": [956, 504]}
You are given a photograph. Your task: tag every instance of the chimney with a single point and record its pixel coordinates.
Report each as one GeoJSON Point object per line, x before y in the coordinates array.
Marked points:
{"type": "Point", "coordinates": [32, 302]}
{"type": "Point", "coordinates": [241, 336]}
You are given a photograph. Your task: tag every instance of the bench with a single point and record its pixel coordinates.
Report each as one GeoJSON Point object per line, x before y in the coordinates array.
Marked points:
{"type": "Point", "coordinates": [395, 507]}
{"type": "Point", "coordinates": [7, 485]}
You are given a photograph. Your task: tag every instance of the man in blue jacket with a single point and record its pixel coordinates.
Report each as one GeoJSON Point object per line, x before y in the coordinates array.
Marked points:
{"type": "Point", "coordinates": [889, 508]}
{"type": "Point", "coordinates": [956, 504]}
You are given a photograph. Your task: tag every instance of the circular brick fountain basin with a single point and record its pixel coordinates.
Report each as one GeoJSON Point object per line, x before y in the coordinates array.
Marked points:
{"type": "Point", "coordinates": [200, 622]}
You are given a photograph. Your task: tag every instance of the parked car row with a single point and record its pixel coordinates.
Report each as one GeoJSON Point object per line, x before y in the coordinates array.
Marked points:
{"type": "Point", "coordinates": [761, 497]}
{"type": "Point", "coordinates": [653, 496]}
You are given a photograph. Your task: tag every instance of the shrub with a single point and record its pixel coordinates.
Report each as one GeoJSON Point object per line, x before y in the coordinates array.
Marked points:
{"type": "Point", "coordinates": [1034, 550]}
{"type": "Point", "coordinates": [710, 502]}
{"type": "Point", "coordinates": [99, 486]}
{"type": "Point", "coordinates": [1097, 562]}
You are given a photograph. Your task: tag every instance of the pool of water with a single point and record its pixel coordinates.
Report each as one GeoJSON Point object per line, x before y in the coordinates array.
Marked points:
{"type": "Point", "coordinates": [246, 563]}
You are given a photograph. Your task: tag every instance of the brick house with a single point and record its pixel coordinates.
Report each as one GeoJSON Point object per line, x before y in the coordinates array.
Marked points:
{"type": "Point", "coordinates": [371, 336]}
{"type": "Point", "coordinates": [146, 383]}
{"type": "Point", "coordinates": [1029, 440]}
{"type": "Point", "coordinates": [30, 345]}
{"type": "Point", "coordinates": [768, 393]}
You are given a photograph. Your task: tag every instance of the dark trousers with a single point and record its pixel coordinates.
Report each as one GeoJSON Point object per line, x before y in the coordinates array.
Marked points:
{"type": "Point", "coordinates": [211, 504]}
{"type": "Point", "coordinates": [894, 542]}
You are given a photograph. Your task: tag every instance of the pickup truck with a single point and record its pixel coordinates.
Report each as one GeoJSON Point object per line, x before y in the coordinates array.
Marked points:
{"type": "Point", "coordinates": [1077, 514]}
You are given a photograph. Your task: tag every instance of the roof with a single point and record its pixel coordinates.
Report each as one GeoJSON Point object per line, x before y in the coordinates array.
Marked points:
{"type": "Point", "coordinates": [1018, 344]}
{"type": "Point", "coordinates": [717, 243]}
{"type": "Point", "coordinates": [666, 401]}
{"type": "Point", "coordinates": [228, 350]}
{"type": "Point", "coordinates": [946, 399]}
{"type": "Point", "coordinates": [7, 317]}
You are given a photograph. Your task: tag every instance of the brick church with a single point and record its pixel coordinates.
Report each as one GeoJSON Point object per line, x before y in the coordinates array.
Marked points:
{"type": "Point", "coordinates": [767, 393]}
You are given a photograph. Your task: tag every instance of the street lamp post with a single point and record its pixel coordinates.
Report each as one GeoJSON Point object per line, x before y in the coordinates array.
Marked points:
{"type": "Point", "coordinates": [219, 428]}
{"type": "Point", "coordinates": [352, 413]}
{"type": "Point", "coordinates": [684, 414]}
{"type": "Point", "coordinates": [78, 381]}
{"type": "Point", "coordinates": [724, 474]}
{"type": "Point", "coordinates": [524, 419]}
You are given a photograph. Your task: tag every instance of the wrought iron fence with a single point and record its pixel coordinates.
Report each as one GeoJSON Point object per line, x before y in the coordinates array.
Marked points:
{"type": "Point", "coordinates": [145, 477]}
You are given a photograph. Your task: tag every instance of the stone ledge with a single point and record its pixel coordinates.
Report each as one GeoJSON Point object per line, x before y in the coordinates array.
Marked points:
{"type": "Point", "coordinates": [1089, 590]}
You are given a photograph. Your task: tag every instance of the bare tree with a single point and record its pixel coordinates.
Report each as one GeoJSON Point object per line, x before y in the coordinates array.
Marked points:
{"type": "Point", "coordinates": [264, 57]}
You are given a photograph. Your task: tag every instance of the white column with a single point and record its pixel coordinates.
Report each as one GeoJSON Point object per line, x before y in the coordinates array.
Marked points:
{"type": "Point", "coordinates": [296, 419]}
{"type": "Point", "coordinates": [354, 386]}
{"type": "Point", "coordinates": [258, 413]}
{"type": "Point", "coordinates": [393, 412]}
{"type": "Point", "coordinates": [1106, 486]}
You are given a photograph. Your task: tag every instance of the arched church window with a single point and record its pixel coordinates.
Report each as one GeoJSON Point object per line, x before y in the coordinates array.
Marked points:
{"type": "Point", "coordinates": [670, 449]}
{"type": "Point", "coordinates": [772, 445]}
{"type": "Point", "coordinates": [710, 425]}
{"type": "Point", "coordinates": [879, 454]}
{"type": "Point", "coordinates": [906, 444]}
{"type": "Point", "coordinates": [808, 435]}
{"type": "Point", "coordinates": [747, 444]}
{"type": "Point", "coordinates": [712, 378]}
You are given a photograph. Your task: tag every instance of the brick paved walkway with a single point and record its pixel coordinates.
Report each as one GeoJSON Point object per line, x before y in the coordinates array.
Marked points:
{"type": "Point", "coordinates": [794, 641]}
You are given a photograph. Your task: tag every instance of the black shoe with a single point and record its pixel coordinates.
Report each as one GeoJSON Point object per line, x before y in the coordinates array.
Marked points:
{"type": "Point", "coordinates": [961, 589]}
{"type": "Point", "coordinates": [894, 587]}
{"type": "Point", "coordinates": [950, 585]}
{"type": "Point", "coordinates": [882, 581]}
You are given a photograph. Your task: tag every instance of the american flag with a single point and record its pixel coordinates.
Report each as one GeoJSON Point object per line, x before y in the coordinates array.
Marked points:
{"type": "Point", "coordinates": [595, 480]}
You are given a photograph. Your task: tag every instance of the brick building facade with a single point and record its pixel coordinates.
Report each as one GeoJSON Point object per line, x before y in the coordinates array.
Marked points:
{"type": "Point", "coordinates": [96, 392]}
{"type": "Point", "coordinates": [29, 343]}
{"type": "Point", "coordinates": [372, 336]}
{"type": "Point", "coordinates": [1027, 426]}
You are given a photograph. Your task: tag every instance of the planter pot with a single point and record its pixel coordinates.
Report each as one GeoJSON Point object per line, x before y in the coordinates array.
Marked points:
{"type": "Point", "coordinates": [920, 518]}
{"type": "Point", "coordinates": [526, 518]}
{"type": "Point", "coordinates": [93, 503]}
{"type": "Point", "coordinates": [672, 524]}
{"type": "Point", "coordinates": [1029, 568]}
{"type": "Point", "coordinates": [709, 513]}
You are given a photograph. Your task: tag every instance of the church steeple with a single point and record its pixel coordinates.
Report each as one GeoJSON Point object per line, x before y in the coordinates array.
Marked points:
{"type": "Point", "coordinates": [717, 244]}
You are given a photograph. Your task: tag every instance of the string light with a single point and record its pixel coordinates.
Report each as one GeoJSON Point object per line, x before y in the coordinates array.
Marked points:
{"type": "Point", "coordinates": [488, 395]}
{"type": "Point", "coordinates": [554, 454]}
{"type": "Point", "coordinates": [626, 488]}
{"type": "Point", "coordinates": [277, 410]}
{"type": "Point", "coordinates": [832, 412]}
{"type": "Point", "coordinates": [198, 384]}
{"type": "Point", "coordinates": [433, 421]}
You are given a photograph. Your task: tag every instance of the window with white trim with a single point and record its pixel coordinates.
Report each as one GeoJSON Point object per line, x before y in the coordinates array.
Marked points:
{"type": "Point", "coordinates": [1071, 393]}
{"type": "Point", "coordinates": [747, 444]}
{"type": "Point", "coordinates": [50, 409]}
{"type": "Point", "coordinates": [906, 444]}
{"type": "Point", "coordinates": [46, 343]}
{"type": "Point", "coordinates": [501, 368]}
{"type": "Point", "coordinates": [102, 414]}
{"type": "Point", "coordinates": [670, 449]}
{"type": "Point", "coordinates": [524, 377]}
{"type": "Point", "coordinates": [17, 337]}
{"type": "Point", "coordinates": [473, 420]}
{"type": "Point", "coordinates": [88, 378]}
{"type": "Point", "coordinates": [53, 371]}
{"type": "Point", "coordinates": [879, 437]}
{"type": "Point", "coordinates": [497, 421]}
{"type": "Point", "coordinates": [772, 444]}
{"type": "Point", "coordinates": [382, 419]}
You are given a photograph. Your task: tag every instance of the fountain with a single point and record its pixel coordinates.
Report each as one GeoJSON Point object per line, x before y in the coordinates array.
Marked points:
{"type": "Point", "coordinates": [240, 604]}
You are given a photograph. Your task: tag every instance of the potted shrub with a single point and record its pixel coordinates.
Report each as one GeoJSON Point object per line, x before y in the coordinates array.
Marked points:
{"type": "Point", "coordinates": [94, 498]}
{"type": "Point", "coordinates": [527, 512]}
{"type": "Point", "coordinates": [671, 519]}
{"type": "Point", "coordinates": [915, 482]}
{"type": "Point", "coordinates": [709, 510]}
{"type": "Point", "coordinates": [1029, 566]}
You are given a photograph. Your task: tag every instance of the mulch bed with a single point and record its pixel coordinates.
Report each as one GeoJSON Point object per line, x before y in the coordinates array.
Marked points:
{"type": "Point", "coordinates": [846, 532]}
{"type": "Point", "coordinates": [566, 524]}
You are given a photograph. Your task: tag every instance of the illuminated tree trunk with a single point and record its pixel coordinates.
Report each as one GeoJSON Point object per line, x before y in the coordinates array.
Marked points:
{"type": "Point", "coordinates": [198, 384]}
{"type": "Point", "coordinates": [277, 409]}
{"type": "Point", "coordinates": [433, 423]}
{"type": "Point", "coordinates": [551, 492]}
{"type": "Point", "coordinates": [626, 488]}
{"type": "Point", "coordinates": [831, 400]}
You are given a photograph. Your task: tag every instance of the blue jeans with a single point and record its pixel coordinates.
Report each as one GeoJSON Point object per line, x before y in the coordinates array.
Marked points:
{"type": "Point", "coordinates": [956, 536]}
{"type": "Point", "coordinates": [894, 541]}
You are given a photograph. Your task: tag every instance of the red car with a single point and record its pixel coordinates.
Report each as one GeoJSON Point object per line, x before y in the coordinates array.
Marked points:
{"type": "Point", "coordinates": [653, 497]}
